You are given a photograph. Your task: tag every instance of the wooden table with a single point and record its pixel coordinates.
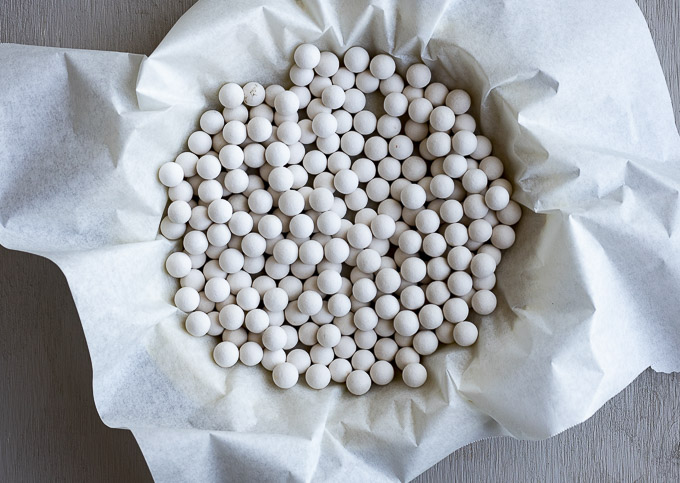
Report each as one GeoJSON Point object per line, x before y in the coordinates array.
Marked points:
{"type": "Point", "coordinates": [49, 428]}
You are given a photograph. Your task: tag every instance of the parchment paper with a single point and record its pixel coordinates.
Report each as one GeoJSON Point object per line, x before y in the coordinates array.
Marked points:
{"type": "Point", "coordinates": [573, 97]}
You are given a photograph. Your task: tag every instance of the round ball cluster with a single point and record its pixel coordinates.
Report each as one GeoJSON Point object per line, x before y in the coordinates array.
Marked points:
{"type": "Point", "coordinates": [330, 242]}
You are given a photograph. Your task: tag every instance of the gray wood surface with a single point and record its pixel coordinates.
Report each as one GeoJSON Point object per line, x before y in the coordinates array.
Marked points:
{"type": "Point", "coordinates": [49, 428]}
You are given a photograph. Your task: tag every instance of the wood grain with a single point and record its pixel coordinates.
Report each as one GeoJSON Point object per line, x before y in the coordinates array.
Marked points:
{"type": "Point", "coordinates": [49, 428]}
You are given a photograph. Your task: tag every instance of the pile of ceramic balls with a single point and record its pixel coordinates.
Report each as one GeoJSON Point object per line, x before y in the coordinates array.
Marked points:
{"type": "Point", "coordinates": [331, 241]}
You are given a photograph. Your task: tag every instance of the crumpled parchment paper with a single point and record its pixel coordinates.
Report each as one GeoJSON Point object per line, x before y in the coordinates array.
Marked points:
{"type": "Point", "coordinates": [571, 94]}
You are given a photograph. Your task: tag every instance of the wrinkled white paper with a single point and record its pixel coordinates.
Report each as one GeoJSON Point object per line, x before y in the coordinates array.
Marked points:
{"type": "Point", "coordinates": [574, 99]}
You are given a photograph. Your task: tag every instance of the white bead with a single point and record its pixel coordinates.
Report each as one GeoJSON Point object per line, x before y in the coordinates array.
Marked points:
{"type": "Point", "coordinates": [307, 56]}
{"type": "Point", "coordinates": [321, 200]}
{"type": "Point", "coordinates": [383, 226]}
{"type": "Point", "coordinates": [425, 342]}
{"type": "Point", "coordinates": [253, 94]}
{"type": "Point", "coordinates": [458, 101]}
{"type": "Point", "coordinates": [359, 236]}
{"type": "Point", "coordinates": [406, 323]}
{"type": "Point", "coordinates": [465, 333]}
{"type": "Point", "coordinates": [286, 103]}
{"type": "Point", "coordinates": [183, 191]}
{"type": "Point", "coordinates": [281, 179]}
{"type": "Point", "coordinates": [483, 302]}
{"type": "Point", "coordinates": [496, 198]}
{"type": "Point", "coordinates": [211, 122]}
{"type": "Point", "coordinates": [210, 190]}
{"type": "Point", "coordinates": [346, 181]}
{"type": "Point", "coordinates": [427, 221]}
{"type": "Point", "coordinates": [413, 93]}
{"type": "Point", "coordinates": [343, 78]}
{"type": "Point", "coordinates": [271, 359]}
{"type": "Point", "coordinates": [400, 147]}
{"type": "Point", "coordinates": [406, 356]}
{"type": "Point", "coordinates": [340, 369]}
{"type": "Point", "coordinates": [363, 360]}
{"type": "Point", "coordinates": [419, 110]}
{"type": "Point", "coordinates": [511, 214]}
{"type": "Point", "coordinates": [459, 283]}
{"type": "Point", "coordinates": [339, 305]}
{"type": "Point", "coordinates": [336, 250]}
{"type": "Point", "coordinates": [314, 162]}
{"type": "Point", "coordinates": [274, 338]}
{"type": "Point", "coordinates": [355, 101]}
{"type": "Point", "coordinates": [285, 375]}
{"type": "Point", "coordinates": [234, 132]}
{"type": "Point", "coordinates": [300, 77]}
{"type": "Point", "coordinates": [238, 337]}
{"type": "Point", "coordinates": [441, 186]}
{"type": "Point", "coordinates": [328, 335]}
{"type": "Point", "coordinates": [311, 252]}
{"type": "Point", "coordinates": [318, 376]}
{"type": "Point", "coordinates": [257, 320]}
{"type": "Point", "coordinates": [382, 373]}
{"type": "Point", "coordinates": [333, 97]}
{"type": "Point", "coordinates": [464, 143]}
{"type": "Point", "coordinates": [492, 167]}
{"type": "Point", "coordinates": [309, 303]}
{"type": "Point", "coordinates": [232, 317]}
{"type": "Point", "coordinates": [365, 122]}
{"type": "Point", "coordinates": [299, 359]}
{"type": "Point", "coordinates": [414, 375]}
{"type": "Point", "coordinates": [344, 120]}
{"type": "Point", "coordinates": [412, 297]}
{"type": "Point", "coordinates": [382, 66]}
{"type": "Point", "coordinates": [225, 354]}
{"type": "Point", "coordinates": [288, 132]}
{"type": "Point", "coordinates": [352, 143]}
{"type": "Point", "coordinates": [416, 131]}
{"type": "Point", "coordinates": [259, 129]}
{"type": "Point", "coordinates": [394, 83]}
{"type": "Point", "coordinates": [436, 93]}
{"type": "Point", "coordinates": [329, 282]}
{"type": "Point", "coordinates": [474, 206]}
{"type": "Point", "coordinates": [197, 323]}
{"type": "Point", "coordinates": [356, 59]}
{"type": "Point", "coordinates": [194, 279]}
{"type": "Point", "coordinates": [277, 154]}
{"type": "Point", "coordinates": [248, 298]}
{"type": "Point", "coordinates": [171, 174]}
{"type": "Point", "coordinates": [366, 83]}
{"type": "Point", "coordinates": [483, 148]}
{"type": "Point", "coordinates": [418, 75]}
{"type": "Point", "coordinates": [389, 169]}
{"type": "Point", "coordinates": [378, 189]}
{"type": "Point", "coordinates": [395, 104]}
{"type": "Point", "coordinates": [358, 382]}
{"type": "Point", "coordinates": [231, 95]}
{"type": "Point", "coordinates": [325, 124]}
{"type": "Point", "coordinates": [328, 145]}
{"type": "Point", "coordinates": [236, 181]}
{"type": "Point", "coordinates": [328, 64]}
{"type": "Point", "coordinates": [439, 144]}
{"type": "Point", "coordinates": [178, 264]}
{"type": "Point", "coordinates": [480, 231]}
{"type": "Point", "coordinates": [389, 126]}
{"type": "Point", "coordinates": [285, 252]}
{"type": "Point", "coordinates": [413, 270]}
{"type": "Point", "coordinates": [464, 122]}
{"type": "Point", "coordinates": [217, 289]}
{"type": "Point", "coordinates": [503, 236]}
{"type": "Point", "coordinates": [387, 280]}
{"type": "Point", "coordinates": [413, 197]}
{"type": "Point", "coordinates": [474, 181]}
